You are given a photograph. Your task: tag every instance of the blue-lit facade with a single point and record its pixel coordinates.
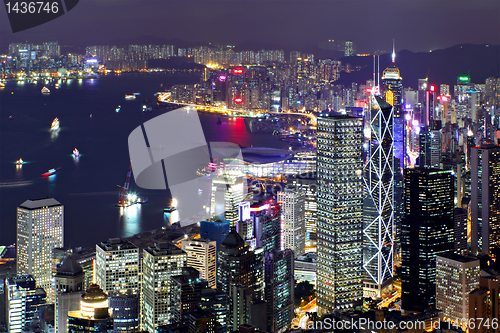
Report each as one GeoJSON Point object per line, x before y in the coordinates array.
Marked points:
{"type": "Point", "coordinates": [215, 230]}
{"type": "Point", "coordinates": [378, 203]}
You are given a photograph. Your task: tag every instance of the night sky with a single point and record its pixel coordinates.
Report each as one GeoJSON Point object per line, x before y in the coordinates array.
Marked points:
{"type": "Point", "coordinates": [415, 25]}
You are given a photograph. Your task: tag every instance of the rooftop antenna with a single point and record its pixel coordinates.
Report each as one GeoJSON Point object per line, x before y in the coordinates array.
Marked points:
{"type": "Point", "coordinates": [393, 51]}
{"type": "Point", "coordinates": [378, 71]}
{"type": "Point", "coordinates": [374, 82]}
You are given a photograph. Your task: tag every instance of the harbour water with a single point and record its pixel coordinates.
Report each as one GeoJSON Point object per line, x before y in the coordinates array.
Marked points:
{"type": "Point", "coordinates": [89, 121]}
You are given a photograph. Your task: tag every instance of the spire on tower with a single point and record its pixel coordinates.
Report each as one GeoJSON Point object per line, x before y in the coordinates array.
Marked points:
{"type": "Point", "coordinates": [393, 52]}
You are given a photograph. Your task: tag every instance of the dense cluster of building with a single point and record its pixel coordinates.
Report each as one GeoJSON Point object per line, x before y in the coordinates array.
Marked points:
{"type": "Point", "coordinates": [404, 201]}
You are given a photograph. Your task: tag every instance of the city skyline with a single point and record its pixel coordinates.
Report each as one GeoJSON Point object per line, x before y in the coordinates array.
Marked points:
{"type": "Point", "coordinates": [290, 24]}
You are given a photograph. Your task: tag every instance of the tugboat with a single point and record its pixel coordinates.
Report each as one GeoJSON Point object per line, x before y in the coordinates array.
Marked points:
{"type": "Point", "coordinates": [55, 125]}
{"type": "Point", "coordinates": [45, 90]}
{"type": "Point", "coordinates": [76, 153]}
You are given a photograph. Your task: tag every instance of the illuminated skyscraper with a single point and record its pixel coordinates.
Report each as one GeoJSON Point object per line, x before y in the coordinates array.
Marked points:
{"type": "Point", "coordinates": [378, 204]}
{"type": "Point", "coordinates": [117, 265]}
{"type": "Point", "coordinates": [393, 93]}
{"type": "Point", "coordinates": [293, 220]}
{"type": "Point", "coordinates": [340, 212]}
{"type": "Point", "coordinates": [485, 198]}
{"type": "Point", "coordinates": [159, 264]}
{"type": "Point", "coordinates": [39, 230]}
{"type": "Point", "coordinates": [427, 231]}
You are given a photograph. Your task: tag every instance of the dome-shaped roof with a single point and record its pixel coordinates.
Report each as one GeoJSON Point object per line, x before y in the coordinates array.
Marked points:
{"type": "Point", "coordinates": [94, 294]}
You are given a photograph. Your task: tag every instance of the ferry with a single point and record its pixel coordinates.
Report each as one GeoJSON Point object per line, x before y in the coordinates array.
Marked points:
{"type": "Point", "coordinates": [19, 161]}
{"type": "Point", "coordinates": [55, 125]}
{"type": "Point", "coordinates": [130, 97]}
{"type": "Point", "coordinates": [45, 90]}
{"type": "Point", "coordinates": [50, 172]}
{"type": "Point", "coordinates": [76, 153]}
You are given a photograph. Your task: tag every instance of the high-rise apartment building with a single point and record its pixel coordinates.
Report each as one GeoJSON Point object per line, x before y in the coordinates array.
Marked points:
{"type": "Point", "coordinates": [293, 231]}
{"type": "Point", "coordinates": [40, 228]}
{"type": "Point", "coordinates": [117, 265]}
{"type": "Point", "coordinates": [427, 231]}
{"type": "Point", "coordinates": [378, 204]}
{"type": "Point", "coordinates": [430, 147]}
{"type": "Point", "coordinates": [159, 264]}
{"type": "Point", "coordinates": [456, 277]}
{"type": "Point", "coordinates": [460, 230]}
{"type": "Point", "coordinates": [21, 300]}
{"type": "Point", "coordinates": [202, 255]}
{"type": "Point", "coordinates": [485, 198]}
{"type": "Point", "coordinates": [340, 212]}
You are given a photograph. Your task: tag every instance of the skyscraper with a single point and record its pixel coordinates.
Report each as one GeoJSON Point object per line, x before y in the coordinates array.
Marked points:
{"type": "Point", "coordinates": [293, 220]}
{"type": "Point", "coordinates": [307, 183]}
{"type": "Point", "coordinates": [485, 198]}
{"type": "Point", "coordinates": [427, 231]}
{"type": "Point", "coordinates": [280, 289]}
{"type": "Point", "coordinates": [392, 89]}
{"type": "Point", "coordinates": [235, 274]}
{"type": "Point", "coordinates": [40, 226]}
{"type": "Point", "coordinates": [378, 204]}
{"type": "Point", "coordinates": [159, 264]}
{"type": "Point", "coordinates": [186, 292]}
{"type": "Point", "coordinates": [340, 212]}
{"type": "Point", "coordinates": [202, 255]}
{"type": "Point", "coordinates": [117, 265]}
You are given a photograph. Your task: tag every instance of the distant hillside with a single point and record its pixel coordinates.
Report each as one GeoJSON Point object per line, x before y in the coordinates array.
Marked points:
{"type": "Point", "coordinates": [440, 66]}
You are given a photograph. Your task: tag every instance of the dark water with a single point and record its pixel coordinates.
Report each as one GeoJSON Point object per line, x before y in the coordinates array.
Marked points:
{"type": "Point", "coordinates": [87, 187]}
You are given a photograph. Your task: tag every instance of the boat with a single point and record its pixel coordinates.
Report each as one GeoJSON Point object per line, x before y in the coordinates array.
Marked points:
{"type": "Point", "coordinates": [57, 85]}
{"type": "Point", "coordinates": [55, 125]}
{"type": "Point", "coordinates": [144, 108]}
{"type": "Point", "coordinates": [130, 97]}
{"type": "Point", "coordinates": [169, 209]}
{"type": "Point", "coordinates": [76, 153]}
{"type": "Point", "coordinates": [11, 117]}
{"type": "Point", "coordinates": [50, 172]}
{"type": "Point", "coordinates": [19, 161]}
{"type": "Point", "coordinates": [118, 108]}
{"type": "Point", "coordinates": [136, 93]}
{"type": "Point", "coordinates": [45, 90]}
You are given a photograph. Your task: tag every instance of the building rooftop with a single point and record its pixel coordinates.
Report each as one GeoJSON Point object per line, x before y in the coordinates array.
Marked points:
{"type": "Point", "coordinates": [69, 267]}
{"type": "Point", "coordinates": [233, 240]}
{"type": "Point", "coordinates": [165, 248]}
{"type": "Point", "coordinates": [117, 244]}
{"type": "Point", "coordinates": [39, 203]}
{"type": "Point", "coordinates": [457, 257]}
